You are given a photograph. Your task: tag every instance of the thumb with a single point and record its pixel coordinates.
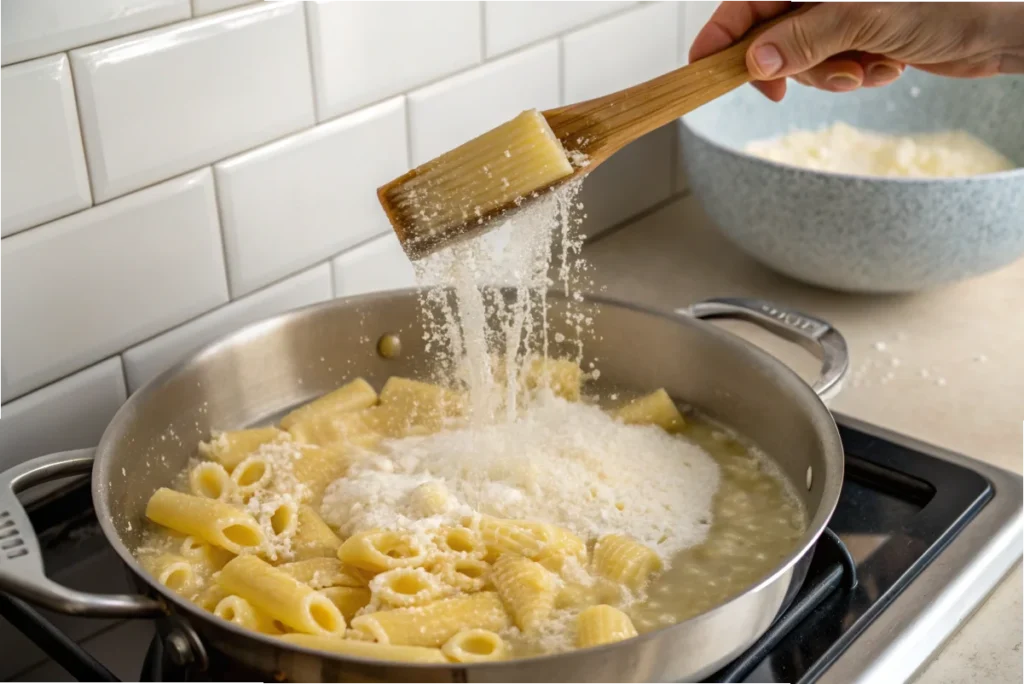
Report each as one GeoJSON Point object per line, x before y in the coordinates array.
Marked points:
{"type": "Point", "coordinates": [801, 41]}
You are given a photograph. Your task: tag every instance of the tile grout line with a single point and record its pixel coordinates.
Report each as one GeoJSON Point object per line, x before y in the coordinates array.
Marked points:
{"type": "Point", "coordinates": [81, 140]}
{"type": "Point", "coordinates": [223, 237]}
{"type": "Point", "coordinates": [311, 62]}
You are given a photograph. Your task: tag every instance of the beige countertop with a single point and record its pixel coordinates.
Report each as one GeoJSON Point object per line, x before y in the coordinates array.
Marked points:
{"type": "Point", "coordinates": [946, 367]}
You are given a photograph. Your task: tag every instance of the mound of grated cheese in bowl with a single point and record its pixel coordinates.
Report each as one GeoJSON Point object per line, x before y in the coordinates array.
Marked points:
{"type": "Point", "coordinates": [842, 148]}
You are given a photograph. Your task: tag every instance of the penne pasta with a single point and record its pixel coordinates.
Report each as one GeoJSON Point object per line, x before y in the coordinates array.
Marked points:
{"type": "Point", "coordinates": [602, 624]}
{"type": "Point", "coordinates": [281, 596]}
{"type": "Point", "coordinates": [475, 646]}
{"type": "Point", "coordinates": [435, 623]}
{"type": "Point", "coordinates": [212, 521]}
{"type": "Point", "coordinates": [366, 649]}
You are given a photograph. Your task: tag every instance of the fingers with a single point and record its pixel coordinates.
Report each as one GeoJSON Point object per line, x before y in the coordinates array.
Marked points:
{"type": "Point", "coordinates": [729, 22]}
{"type": "Point", "coordinates": [803, 41]}
{"type": "Point", "coordinates": [879, 70]}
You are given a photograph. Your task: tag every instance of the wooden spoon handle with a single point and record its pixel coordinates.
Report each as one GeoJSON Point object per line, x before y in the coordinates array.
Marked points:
{"type": "Point", "coordinates": [602, 126]}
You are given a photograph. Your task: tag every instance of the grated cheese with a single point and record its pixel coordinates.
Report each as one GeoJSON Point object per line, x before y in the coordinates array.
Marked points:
{"type": "Point", "coordinates": [564, 463]}
{"type": "Point", "coordinates": [845, 149]}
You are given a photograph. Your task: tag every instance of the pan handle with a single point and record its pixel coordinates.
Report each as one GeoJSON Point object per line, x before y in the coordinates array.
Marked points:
{"type": "Point", "coordinates": [21, 561]}
{"type": "Point", "coordinates": [814, 334]}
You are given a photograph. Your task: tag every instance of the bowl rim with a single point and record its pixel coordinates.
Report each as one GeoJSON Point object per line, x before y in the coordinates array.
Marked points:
{"type": "Point", "coordinates": [1009, 174]}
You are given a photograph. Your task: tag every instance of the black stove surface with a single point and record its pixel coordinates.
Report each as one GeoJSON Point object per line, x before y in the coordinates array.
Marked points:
{"type": "Point", "coordinates": [898, 509]}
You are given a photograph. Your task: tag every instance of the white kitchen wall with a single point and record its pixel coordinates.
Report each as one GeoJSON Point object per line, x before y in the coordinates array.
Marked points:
{"type": "Point", "coordinates": [173, 169]}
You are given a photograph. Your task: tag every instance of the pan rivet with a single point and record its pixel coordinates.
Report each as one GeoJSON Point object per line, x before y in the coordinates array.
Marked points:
{"type": "Point", "coordinates": [178, 649]}
{"type": "Point", "coordinates": [810, 477]}
{"type": "Point", "coordinates": [389, 346]}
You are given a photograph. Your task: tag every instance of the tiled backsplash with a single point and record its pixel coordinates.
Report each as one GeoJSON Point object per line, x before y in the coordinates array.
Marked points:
{"type": "Point", "coordinates": [173, 170]}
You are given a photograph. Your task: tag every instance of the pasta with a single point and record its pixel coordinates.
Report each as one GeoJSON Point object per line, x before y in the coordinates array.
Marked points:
{"type": "Point", "coordinates": [418, 404]}
{"type": "Point", "coordinates": [526, 589]}
{"type": "Point", "coordinates": [316, 467]}
{"type": "Point", "coordinates": [239, 611]}
{"type": "Point", "coordinates": [348, 600]}
{"type": "Point", "coordinates": [475, 646]}
{"type": "Point", "coordinates": [407, 587]}
{"type": "Point", "coordinates": [213, 521]}
{"type": "Point", "coordinates": [251, 544]}
{"type": "Point", "coordinates": [435, 623]}
{"type": "Point", "coordinates": [251, 474]}
{"type": "Point", "coordinates": [354, 396]}
{"type": "Point", "coordinates": [231, 448]}
{"type": "Point", "coordinates": [380, 550]}
{"type": "Point", "coordinates": [366, 649]}
{"type": "Point", "coordinates": [211, 480]}
{"type": "Point", "coordinates": [466, 573]}
{"type": "Point", "coordinates": [657, 408]}
{"type": "Point", "coordinates": [174, 572]}
{"type": "Point", "coordinates": [319, 573]}
{"type": "Point", "coordinates": [622, 560]}
{"type": "Point", "coordinates": [602, 624]}
{"type": "Point", "coordinates": [313, 538]}
{"type": "Point", "coordinates": [281, 596]}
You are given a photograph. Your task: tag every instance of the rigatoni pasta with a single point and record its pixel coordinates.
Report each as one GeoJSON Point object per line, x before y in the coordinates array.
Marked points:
{"type": "Point", "coordinates": [253, 545]}
{"type": "Point", "coordinates": [281, 596]}
{"type": "Point", "coordinates": [213, 521]}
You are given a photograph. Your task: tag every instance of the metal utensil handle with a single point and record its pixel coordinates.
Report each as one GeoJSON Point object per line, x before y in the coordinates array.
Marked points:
{"type": "Point", "coordinates": [812, 333]}
{"type": "Point", "coordinates": [21, 561]}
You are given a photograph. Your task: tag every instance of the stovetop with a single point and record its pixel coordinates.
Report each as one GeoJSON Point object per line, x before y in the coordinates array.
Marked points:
{"type": "Point", "coordinates": [875, 600]}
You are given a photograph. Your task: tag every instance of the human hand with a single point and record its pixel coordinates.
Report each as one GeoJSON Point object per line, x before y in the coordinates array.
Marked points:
{"type": "Point", "coordinates": [844, 46]}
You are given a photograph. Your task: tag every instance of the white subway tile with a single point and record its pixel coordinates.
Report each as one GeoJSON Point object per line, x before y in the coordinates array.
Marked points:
{"type": "Point", "coordinates": [144, 362]}
{"type": "Point", "coordinates": [447, 114]}
{"type": "Point", "coordinates": [69, 414]}
{"type": "Point", "coordinates": [620, 52]}
{"type": "Point", "coordinates": [201, 7]}
{"type": "Point", "coordinates": [511, 25]}
{"type": "Point", "coordinates": [375, 266]}
{"type": "Point", "coordinates": [366, 51]}
{"type": "Point", "coordinates": [633, 180]}
{"type": "Point", "coordinates": [86, 286]}
{"type": "Point", "coordinates": [167, 101]}
{"type": "Point", "coordinates": [692, 17]}
{"type": "Point", "coordinates": [43, 164]}
{"type": "Point", "coordinates": [32, 28]}
{"type": "Point", "coordinates": [303, 199]}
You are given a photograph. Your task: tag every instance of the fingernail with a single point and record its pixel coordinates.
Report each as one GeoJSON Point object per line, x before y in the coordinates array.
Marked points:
{"type": "Point", "coordinates": [883, 73]}
{"type": "Point", "coordinates": [843, 81]}
{"type": "Point", "coordinates": [768, 59]}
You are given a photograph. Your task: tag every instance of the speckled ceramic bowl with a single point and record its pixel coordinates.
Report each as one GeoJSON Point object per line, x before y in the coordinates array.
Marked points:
{"type": "Point", "coordinates": [858, 233]}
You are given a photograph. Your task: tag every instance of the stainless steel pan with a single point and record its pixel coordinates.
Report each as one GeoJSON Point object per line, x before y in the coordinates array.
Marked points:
{"type": "Point", "coordinates": [266, 368]}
